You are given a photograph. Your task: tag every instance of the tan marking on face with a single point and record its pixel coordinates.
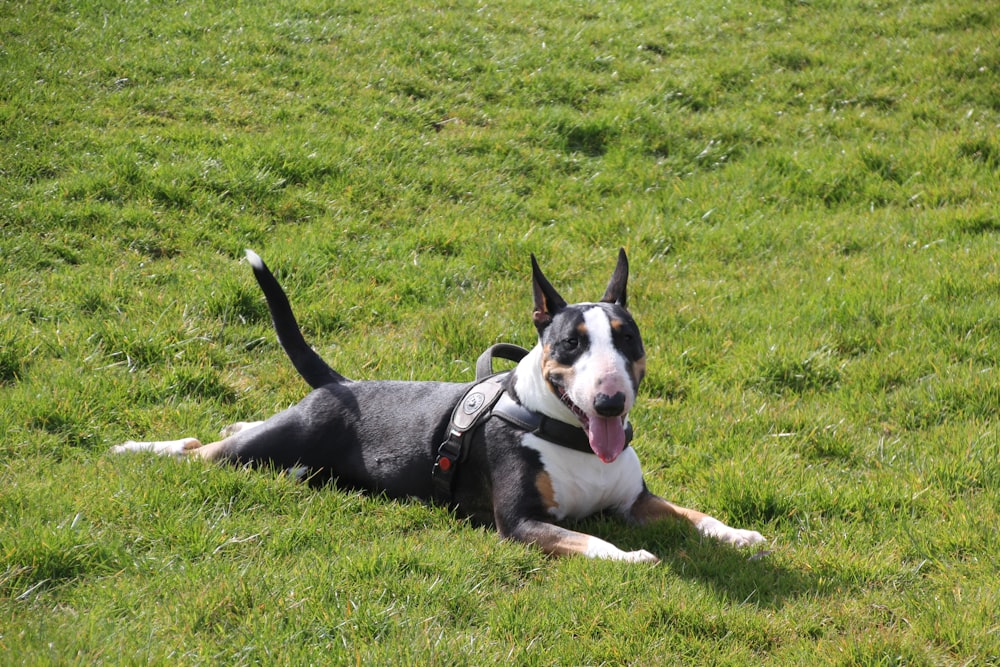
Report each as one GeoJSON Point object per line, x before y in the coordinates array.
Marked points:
{"type": "Point", "coordinates": [543, 482]}
{"type": "Point", "coordinates": [550, 366]}
{"type": "Point", "coordinates": [638, 370]}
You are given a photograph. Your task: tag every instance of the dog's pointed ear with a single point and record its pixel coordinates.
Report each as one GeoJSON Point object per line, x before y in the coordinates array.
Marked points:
{"type": "Point", "coordinates": [616, 292]}
{"type": "Point", "coordinates": [547, 299]}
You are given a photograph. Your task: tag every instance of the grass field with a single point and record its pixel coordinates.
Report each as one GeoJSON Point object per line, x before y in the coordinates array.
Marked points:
{"type": "Point", "coordinates": [807, 191]}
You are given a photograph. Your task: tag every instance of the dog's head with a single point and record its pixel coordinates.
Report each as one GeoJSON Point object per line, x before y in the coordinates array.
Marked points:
{"type": "Point", "coordinates": [592, 357]}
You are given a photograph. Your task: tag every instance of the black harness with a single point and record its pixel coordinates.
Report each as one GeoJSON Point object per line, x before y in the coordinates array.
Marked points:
{"type": "Point", "coordinates": [486, 399]}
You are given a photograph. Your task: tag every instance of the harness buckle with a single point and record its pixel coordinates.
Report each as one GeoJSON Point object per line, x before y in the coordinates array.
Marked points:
{"type": "Point", "coordinates": [448, 454]}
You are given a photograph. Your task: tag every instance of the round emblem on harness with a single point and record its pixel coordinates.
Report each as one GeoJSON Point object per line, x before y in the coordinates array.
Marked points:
{"type": "Point", "coordinates": [473, 402]}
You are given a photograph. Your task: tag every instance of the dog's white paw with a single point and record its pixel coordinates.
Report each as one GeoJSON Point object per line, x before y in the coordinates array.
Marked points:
{"type": "Point", "coordinates": [175, 448]}
{"type": "Point", "coordinates": [598, 548]}
{"type": "Point", "coordinates": [640, 556]}
{"type": "Point", "coordinates": [736, 537]}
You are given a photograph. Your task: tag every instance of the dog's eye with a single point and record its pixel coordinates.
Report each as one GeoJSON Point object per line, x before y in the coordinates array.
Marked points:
{"type": "Point", "coordinates": [627, 337]}
{"type": "Point", "coordinates": [571, 343]}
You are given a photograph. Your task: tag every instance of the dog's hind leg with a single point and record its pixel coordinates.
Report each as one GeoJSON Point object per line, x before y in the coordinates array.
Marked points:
{"type": "Point", "coordinates": [238, 427]}
{"type": "Point", "coordinates": [649, 507]}
{"type": "Point", "coordinates": [238, 444]}
{"type": "Point", "coordinates": [177, 448]}
{"type": "Point", "coordinates": [193, 448]}
{"type": "Point", "coordinates": [182, 446]}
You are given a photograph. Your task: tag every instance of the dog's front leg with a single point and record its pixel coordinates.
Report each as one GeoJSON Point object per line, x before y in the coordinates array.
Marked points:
{"type": "Point", "coordinates": [558, 541]}
{"type": "Point", "coordinates": [649, 507]}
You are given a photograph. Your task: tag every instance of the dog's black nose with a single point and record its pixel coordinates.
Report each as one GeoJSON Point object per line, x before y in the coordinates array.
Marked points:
{"type": "Point", "coordinates": [610, 406]}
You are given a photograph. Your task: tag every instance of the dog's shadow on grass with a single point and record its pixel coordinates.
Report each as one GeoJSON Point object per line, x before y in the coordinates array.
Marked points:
{"type": "Point", "coordinates": [757, 575]}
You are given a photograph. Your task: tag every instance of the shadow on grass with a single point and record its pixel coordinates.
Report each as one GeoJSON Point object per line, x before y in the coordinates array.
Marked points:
{"type": "Point", "coordinates": [757, 575]}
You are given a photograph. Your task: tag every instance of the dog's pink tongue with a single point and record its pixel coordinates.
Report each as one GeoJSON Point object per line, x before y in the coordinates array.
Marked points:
{"type": "Point", "coordinates": [607, 437]}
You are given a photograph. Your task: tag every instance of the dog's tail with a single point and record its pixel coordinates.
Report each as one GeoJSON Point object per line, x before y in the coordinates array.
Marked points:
{"type": "Point", "coordinates": [310, 365]}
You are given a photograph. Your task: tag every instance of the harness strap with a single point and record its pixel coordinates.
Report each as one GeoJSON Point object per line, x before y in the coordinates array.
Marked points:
{"type": "Point", "coordinates": [546, 428]}
{"type": "Point", "coordinates": [472, 411]}
{"type": "Point", "coordinates": [484, 365]}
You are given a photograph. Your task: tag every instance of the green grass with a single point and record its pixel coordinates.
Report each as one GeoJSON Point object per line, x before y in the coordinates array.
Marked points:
{"type": "Point", "coordinates": [808, 194]}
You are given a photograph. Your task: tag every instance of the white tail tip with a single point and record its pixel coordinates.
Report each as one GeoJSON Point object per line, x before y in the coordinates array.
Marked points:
{"type": "Point", "coordinates": [255, 261]}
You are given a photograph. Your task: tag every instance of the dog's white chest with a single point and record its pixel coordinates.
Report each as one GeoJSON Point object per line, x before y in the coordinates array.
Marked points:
{"type": "Point", "coordinates": [582, 485]}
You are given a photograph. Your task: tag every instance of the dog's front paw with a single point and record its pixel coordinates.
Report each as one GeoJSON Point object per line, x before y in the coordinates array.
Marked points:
{"type": "Point", "coordinates": [736, 537]}
{"type": "Point", "coordinates": [640, 556]}
{"type": "Point", "coordinates": [598, 548]}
